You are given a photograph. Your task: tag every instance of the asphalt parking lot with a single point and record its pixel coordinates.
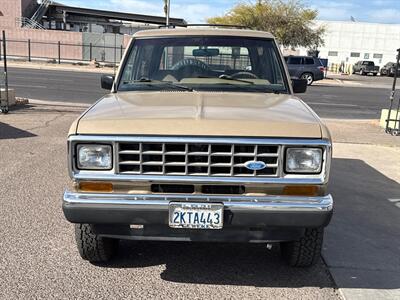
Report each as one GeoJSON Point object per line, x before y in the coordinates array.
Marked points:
{"type": "Point", "coordinates": [40, 259]}
{"type": "Point", "coordinates": [39, 256]}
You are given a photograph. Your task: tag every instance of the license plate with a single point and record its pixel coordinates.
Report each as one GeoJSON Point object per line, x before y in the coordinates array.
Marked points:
{"type": "Point", "coordinates": [196, 215]}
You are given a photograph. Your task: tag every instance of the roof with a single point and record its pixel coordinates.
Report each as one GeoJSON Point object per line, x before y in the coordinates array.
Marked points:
{"type": "Point", "coordinates": [116, 15]}
{"type": "Point", "coordinates": [203, 31]}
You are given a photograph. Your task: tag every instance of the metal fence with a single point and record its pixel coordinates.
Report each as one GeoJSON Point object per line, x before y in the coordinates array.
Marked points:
{"type": "Point", "coordinates": [61, 51]}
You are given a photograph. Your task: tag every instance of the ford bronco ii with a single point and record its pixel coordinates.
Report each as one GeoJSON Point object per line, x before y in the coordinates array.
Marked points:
{"type": "Point", "coordinates": [200, 139]}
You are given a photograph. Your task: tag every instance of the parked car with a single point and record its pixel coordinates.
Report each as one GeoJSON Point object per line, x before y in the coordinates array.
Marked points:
{"type": "Point", "coordinates": [389, 69]}
{"type": "Point", "coordinates": [365, 67]}
{"type": "Point", "coordinates": [305, 67]}
{"type": "Point", "coordinates": [193, 145]}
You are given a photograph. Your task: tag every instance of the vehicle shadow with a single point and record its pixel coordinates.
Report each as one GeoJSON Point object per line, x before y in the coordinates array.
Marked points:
{"type": "Point", "coordinates": [363, 236]}
{"type": "Point", "coordinates": [219, 264]}
{"type": "Point", "coordinates": [10, 132]}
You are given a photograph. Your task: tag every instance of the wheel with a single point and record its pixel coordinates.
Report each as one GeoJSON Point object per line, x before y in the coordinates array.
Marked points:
{"type": "Point", "coordinates": [361, 72]}
{"type": "Point", "coordinates": [309, 77]}
{"type": "Point", "coordinates": [92, 247]}
{"type": "Point", "coordinates": [306, 251]}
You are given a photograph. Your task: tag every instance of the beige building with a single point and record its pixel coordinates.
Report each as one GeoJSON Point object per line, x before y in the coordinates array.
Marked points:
{"type": "Point", "coordinates": [12, 12]}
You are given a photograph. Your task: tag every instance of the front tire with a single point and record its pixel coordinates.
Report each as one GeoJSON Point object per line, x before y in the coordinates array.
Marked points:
{"type": "Point", "coordinates": [306, 251]}
{"type": "Point", "coordinates": [309, 77]}
{"type": "Point", "coordinates": [93, 248]}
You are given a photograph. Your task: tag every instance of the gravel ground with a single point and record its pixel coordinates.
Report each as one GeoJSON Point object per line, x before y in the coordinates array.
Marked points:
{"type": "Point", "coordinates": [39, 259]}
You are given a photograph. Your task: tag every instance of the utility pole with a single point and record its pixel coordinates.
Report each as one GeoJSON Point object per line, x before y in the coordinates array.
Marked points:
{"type": "Point", "coordinates": [167, 10]}
{"type": "Point", "coordinates": [4, 106]}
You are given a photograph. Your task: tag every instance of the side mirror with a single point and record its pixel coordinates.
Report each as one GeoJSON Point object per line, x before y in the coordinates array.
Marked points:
{"type": "Point", "coordinates": [299, 85]}
{"type": "Point", "coordinates": [107, 82]}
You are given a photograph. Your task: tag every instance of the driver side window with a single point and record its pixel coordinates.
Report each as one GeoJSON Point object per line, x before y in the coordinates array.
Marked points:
{"type": "Point", "coordinates": [138, 65]}
{"type": "Point", "coordinates": [171, 56]}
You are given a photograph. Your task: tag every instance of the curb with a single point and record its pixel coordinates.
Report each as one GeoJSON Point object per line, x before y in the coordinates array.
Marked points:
{"type": "Point", "coordinates": [60, 68]}
{"type": "Point", "coordinates": [58, 103]}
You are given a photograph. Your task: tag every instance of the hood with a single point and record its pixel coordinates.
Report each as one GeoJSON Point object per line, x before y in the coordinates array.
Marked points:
{"type": "Point", "coordinates": [200, 114]}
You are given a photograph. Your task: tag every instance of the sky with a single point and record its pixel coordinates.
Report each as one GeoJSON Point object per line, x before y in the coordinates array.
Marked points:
{"type": "Point", "coordinates": [197, 11]}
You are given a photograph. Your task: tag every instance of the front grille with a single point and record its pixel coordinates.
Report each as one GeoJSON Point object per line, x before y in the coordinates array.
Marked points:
{"type": "Point", "coordinates": [177, 159]}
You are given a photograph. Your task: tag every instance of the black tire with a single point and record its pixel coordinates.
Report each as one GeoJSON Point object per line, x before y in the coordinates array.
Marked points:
{"type": "Point", "coordinates": [93, 248]}
{"type": "Point", "coordinates": [306, 251]}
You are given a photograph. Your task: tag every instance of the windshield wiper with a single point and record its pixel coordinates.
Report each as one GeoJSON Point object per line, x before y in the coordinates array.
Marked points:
{"type": "Point", "coordinates": [167, 83]}
{"type": "Point", "coordinates": [249, 86]}
{"type": "Point", "coordinates": [228, 77]}
{"type": "Point", "coordinates": [259, 88]}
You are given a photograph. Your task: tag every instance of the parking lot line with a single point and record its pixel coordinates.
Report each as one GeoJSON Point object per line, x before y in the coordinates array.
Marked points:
{"type": "Point", "coordinates": [29, 86]}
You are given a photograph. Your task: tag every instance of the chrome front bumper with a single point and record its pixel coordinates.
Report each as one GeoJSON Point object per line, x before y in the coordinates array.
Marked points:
{"type": "Point", "coordinates": [242, 211]}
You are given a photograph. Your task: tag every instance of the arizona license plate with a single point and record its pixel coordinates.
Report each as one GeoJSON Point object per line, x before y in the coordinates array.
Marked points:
{"type": "Point", "coordinates": [196, 215]}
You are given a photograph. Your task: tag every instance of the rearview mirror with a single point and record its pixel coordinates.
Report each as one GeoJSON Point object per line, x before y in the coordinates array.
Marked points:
{"type": "Point", "coordinates": [299, 85]}
{"type": "Point", "coordinates": [107, 82]}
{"type": "Point", "coordinates": [208, 52]}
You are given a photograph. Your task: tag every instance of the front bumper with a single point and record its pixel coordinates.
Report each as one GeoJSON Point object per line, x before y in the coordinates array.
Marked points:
{"type": "Point", "coordinates": [239, 211]}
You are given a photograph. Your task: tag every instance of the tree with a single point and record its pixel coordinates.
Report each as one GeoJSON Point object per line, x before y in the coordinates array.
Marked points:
{"type": "Point", "coordinates": [291, 22]}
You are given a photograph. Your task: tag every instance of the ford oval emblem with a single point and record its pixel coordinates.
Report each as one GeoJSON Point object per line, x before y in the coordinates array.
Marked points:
{"type": "Point", "coordinates": [255, 165]}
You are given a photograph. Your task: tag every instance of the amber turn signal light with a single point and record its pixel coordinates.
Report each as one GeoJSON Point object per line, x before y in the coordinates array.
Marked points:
{"type": "Point", "coordinates": [96, 187]}
{"type": "Point", "coordinates": [301, 190]}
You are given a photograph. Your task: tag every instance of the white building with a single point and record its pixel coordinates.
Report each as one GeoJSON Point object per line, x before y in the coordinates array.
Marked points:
{"type": "Point", "coordinates": [349, 42]}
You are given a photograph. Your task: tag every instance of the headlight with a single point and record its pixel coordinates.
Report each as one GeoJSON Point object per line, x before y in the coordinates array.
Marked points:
{"type": "Point", "coordinates": [94, 157]}
{"type": "Point", "coordinates": [303, 160]}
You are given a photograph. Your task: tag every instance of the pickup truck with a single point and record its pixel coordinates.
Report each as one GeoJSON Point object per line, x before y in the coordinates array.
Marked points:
{"type": "Point", "coordinates": [365, 67]}
{"type": "Point", "coordinates": [201, 138]}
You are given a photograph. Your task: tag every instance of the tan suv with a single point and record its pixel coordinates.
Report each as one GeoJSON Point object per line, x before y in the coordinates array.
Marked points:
{"type": "Point", "coordinates": [200, 139]}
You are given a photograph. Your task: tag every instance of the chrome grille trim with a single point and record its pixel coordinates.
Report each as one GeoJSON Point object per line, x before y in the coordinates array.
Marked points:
{"type": "Point", "coordinates": [283, 178]}
{"type": "Point", "coordinates": [195, 159]}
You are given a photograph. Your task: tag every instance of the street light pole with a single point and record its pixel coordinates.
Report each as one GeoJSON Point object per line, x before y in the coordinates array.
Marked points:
{"type": "Point", "coordinates": [168, 10]}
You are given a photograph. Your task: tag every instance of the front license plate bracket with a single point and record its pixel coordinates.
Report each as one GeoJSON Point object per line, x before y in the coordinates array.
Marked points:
{"type": "Point", "coordinates": [196, 215]}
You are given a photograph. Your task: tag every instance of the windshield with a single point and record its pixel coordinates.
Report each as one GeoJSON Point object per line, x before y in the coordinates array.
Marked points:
{"type": "Point", "coordinates": [368, 63]}
{"type": "Point", "coordinates": [203, 63]}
